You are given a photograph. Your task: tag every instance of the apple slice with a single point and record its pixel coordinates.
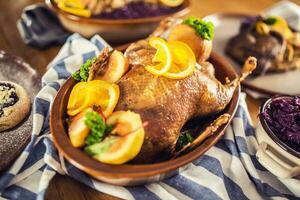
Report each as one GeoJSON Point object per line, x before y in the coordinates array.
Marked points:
{"type": "Point", "coordinates": [124, 143]}
{"type": "Point", "coordinates": [184, 33]}
{"type": "Point", "coordinates": [124, 122]}
{"type": "Point", "coordinates": [117, 66]}
{"type": "Point", "coordinates": [78, 131]}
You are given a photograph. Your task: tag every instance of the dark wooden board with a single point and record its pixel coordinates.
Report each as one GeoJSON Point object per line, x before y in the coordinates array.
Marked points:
{"type": "Point", "coordinates": [13, 141]}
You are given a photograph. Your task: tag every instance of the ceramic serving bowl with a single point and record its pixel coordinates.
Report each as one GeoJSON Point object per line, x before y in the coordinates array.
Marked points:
{"type": "Point", "coordinates": [132, 174]}
{"type": "Point", "coordinates": [113, 30]}
{"type": "Point", "coordinates": [272, 153]}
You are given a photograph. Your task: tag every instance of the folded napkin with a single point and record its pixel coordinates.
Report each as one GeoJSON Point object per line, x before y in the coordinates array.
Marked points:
{"type": "Point", "coordinates": [39, 27]}
{"type": "Point", "coordinates": [229, 170]}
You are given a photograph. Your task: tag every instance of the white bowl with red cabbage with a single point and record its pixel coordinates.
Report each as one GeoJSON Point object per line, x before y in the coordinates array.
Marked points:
{"type": "Point", "coordinates": [278, 135]}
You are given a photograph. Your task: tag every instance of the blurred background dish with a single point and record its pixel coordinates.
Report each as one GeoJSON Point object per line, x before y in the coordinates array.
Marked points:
{"type": "Point", "coordinates": [270, 40]}
{"type": "Point", "coordinates": [119, 25]}
{"type": "Point", "coordinates": [228, 25]}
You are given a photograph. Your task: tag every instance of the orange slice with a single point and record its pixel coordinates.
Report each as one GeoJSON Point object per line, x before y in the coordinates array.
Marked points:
{"type": "Point", "coordinates": [184, 61]}
{"type": "Point", "coordinates": [282, 27]}
{"type": "Point", "coordinates": [104, 94]}
{"type": "Point", "coordinates": [172, 3]}
{"type": "Point", "coordinates": [73, 8]}
{"type": "Point", "coordinates": [162, 56]}
{"type": "Point", "coordinates": [77, 103]}
{"type": "Point", "coordinates": [96, 92]}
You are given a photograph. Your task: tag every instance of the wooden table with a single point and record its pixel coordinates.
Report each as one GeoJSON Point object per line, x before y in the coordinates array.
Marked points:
{"type": "Point", "coordinates": [63, 187]}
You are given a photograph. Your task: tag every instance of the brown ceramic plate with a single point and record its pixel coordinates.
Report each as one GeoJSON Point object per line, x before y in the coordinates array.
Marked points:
{"type": "Point", "coordinates": [129, 174]}
{"type": "Point", "coordinates": [226, 26]}
{"type": "Point", "coordinates": [113, 30]}
{"type": "Point", "coordinates": [13, 141]}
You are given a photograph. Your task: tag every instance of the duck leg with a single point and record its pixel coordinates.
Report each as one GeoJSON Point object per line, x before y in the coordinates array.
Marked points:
{"type": "Point", "coordinates": [210, 130]}
{"type": "Point", "coordinates": [217, 95]}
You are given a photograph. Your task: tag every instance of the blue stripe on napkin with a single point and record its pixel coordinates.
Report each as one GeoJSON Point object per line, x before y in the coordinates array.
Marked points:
{"type": "Point", "coordinates": [233, 190]}
{"type": "Point", "coordinates": [190, 188]}
{"type": "Point", "coordinates": [142, 193]}
{"type": "Point", "coordinates": [16, 192]}
{"type": "Point", "coordinates": [88, 55]}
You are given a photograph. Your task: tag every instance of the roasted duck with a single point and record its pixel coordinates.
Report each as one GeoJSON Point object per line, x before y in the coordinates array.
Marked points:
{"type": "Point", "coordinates": [168, 104]}
{"type": "Point", "coordinates": [161, 105]}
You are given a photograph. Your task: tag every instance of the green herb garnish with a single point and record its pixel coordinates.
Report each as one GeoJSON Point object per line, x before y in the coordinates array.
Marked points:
{"type": "Point", "coordinates": [83, 73]}
{"type": "Point", "coordinates": [183, 139]}
{"type": "Point", "coordinates": [98, 128]}
{"type": "Point", "coordinates": [270, 20]}
{"type": "Point", "coordinates": [203, 28]}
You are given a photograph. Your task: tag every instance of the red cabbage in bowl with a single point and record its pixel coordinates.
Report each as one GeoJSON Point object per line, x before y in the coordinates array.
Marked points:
{"type": "Point", "coordinates": [282, 115]}
{"type": "Point", "coordinates": [138, 10]}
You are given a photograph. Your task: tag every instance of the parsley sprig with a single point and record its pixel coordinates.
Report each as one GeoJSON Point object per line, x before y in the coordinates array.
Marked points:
{"type": "Point", "coordinates": [98, 128]}
{"type": "Point", "coordinates": [270, 20]}
{"type": "Point", "coordinates": [183, 139]}
{"type": "Point", "coordinates": [204, 29]}
{"type": "Point", "coordinates": [83, 73]}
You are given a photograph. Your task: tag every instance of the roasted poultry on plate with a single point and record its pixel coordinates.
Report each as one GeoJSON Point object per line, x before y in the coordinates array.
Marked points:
{"type": "Point", "coordinates": [270, 40]}
{"type": "Point", "coordinates": [133, 106]}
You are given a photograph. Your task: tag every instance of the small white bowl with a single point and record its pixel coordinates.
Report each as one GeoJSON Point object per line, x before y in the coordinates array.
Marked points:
{"type": "Point", "coordinates": [272, 153]}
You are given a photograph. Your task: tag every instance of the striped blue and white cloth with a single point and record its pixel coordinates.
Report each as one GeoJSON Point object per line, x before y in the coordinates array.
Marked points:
{"type": "Point", "coordinates": [229, 170]}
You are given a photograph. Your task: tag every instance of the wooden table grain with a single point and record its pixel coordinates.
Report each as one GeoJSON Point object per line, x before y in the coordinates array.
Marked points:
{"type": "Point", "coordinates": [63, 187]}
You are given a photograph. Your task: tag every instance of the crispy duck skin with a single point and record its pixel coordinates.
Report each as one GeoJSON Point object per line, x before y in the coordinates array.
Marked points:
{"type": "Point", "coordinates": [168, 104]}
{"type": "Point", "coordinates": [165, 105]}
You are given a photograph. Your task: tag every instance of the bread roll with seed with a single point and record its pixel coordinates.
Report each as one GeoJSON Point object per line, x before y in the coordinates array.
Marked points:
{"type": "Point", "coordinates": [14, 104]}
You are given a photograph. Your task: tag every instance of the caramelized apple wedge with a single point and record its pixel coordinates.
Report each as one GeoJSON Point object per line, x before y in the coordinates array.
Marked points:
{"type": "Point", "coordinates": [124, 142]}
{"type": "Point", "coordinates": [124, 122]}
{"type": "Point", "coordinates": [184, 33]}
{"type": "Point", "coordinates": [78, 131]}
{"type": "Point", "coordinates": [117, 66]}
